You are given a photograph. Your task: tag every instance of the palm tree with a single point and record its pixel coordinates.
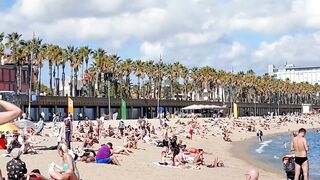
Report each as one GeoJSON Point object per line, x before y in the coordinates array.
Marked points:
{"type": "Point", "coordinates": [99, 57]}
{"type": "Point", "coordinates": [112, 64]}
{"type": "Point", "coordinates": [61, 59]}
{"type": "Point", "coordinates": [150, 71]}
{"type": "Point", "coordinates": [158, 76]}
{"type": "Point", "coordinates": [125, 70]}
{"type": "Point", "coordinates": [71, 52]}
{"type": "Point", "coordinates": [185, 76]}
{"type": "Point", "coordinates": [76, 63]}
{"type": "Point", "coordinates": [13, 43]}
{"type": "Point", "coordinates": [36, 44]}
{"type": "Point", "coordinates": [38, 62]}
{"type": "Point", "coordinates": [139, 70]}
{"type": "Point", "coordinates": [52, 55]}
{"type": "Point", "coordinates": [85, 53]}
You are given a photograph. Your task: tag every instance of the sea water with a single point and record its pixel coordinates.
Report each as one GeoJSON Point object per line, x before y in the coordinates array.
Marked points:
{"type": "Point", "coordinates": [272, 150]}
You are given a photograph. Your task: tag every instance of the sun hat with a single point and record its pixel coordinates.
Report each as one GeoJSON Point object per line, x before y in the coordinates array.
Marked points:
{"type": "Point", "coordinates": [15, 153]}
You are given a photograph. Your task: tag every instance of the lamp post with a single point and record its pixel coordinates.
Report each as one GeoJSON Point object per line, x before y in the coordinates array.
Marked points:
{"type": "Point", "coordinates": [30, 86]}
{"type": "Point", "coordinates": [30, 81]}
{"type": "Point", "coordinates": [107, 77]}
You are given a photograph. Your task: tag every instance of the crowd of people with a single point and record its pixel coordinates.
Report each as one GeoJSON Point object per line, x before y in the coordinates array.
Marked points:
{"type": "Point", "coordinates": [169, 137]}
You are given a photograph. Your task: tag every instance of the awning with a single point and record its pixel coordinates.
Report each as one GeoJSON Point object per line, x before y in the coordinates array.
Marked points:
{"type": "Point", "coordinates": [199, 107]}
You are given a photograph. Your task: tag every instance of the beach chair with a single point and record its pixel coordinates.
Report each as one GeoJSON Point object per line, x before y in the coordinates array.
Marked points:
{"type": "Point", "coordinates": [289, 167]}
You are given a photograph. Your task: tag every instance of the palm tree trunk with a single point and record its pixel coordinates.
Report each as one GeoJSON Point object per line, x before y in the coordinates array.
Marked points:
{"type": "Point", "coordinates": [127, 87]}
{"type": "Point", "coordinates": [63, 79]}
{"type": "Point", "coordinates": [16, 79]}
{"type": "Point", "coordinates": [160, 88]}
{"type": "Point", "coordinates": [154, 90]}
{"type": "Point", "coordinates": [71, 83]}
{"type": "Point", "coordinates": [54, 80]}
{"type": "Point", "coordinates": [75, 83]}
{"type": "Point", "coordinates": [58, 81]}
{"type": "Point", "coordinates": [39, 80]}
{"type": "Point", "coordinates": [19, 79]}
{"type": "Point", "coordinates": [50, 75]}
{"type": "Point", "coordinates": [139, 88]}
{"type": "Point", "coordinates": [116, 87]}
{"type": "Point", "coordinates": [171, 90]}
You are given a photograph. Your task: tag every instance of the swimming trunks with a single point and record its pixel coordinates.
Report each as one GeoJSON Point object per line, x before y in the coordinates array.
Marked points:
{"type": "Point", "coordinates": [300, 160]}
{"type": "Point", "coordinates": [103, 161]}
{"type": "Point", "coordinates": [165, 143]}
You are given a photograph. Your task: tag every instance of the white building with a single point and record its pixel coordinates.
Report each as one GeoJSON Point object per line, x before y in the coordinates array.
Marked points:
{"type": "Point", "coordinates": [296, 74]}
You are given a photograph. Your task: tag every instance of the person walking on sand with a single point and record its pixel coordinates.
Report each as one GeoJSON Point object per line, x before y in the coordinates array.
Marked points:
{"type": "Point", "coordinates": [68, 129]}
{"type": "Point", "coordinates": [300, 147]}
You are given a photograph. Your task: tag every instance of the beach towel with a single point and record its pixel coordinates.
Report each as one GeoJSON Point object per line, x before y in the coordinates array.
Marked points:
{"type": "Point", "coordinates": [167, 166]}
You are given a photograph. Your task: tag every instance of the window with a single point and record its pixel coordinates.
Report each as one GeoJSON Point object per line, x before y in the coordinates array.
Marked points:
{"type": "Point", "coordinates": [12, 75]}
{"type": "Point", "coordinates": [5, 73]}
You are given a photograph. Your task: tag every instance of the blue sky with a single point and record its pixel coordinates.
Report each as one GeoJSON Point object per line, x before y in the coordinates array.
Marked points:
{"type": "Point", "coordinates": [232, 34]}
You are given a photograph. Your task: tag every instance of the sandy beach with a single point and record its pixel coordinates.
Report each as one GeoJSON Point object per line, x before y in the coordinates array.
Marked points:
{"type": "Point", "coordinates": [140, 164]}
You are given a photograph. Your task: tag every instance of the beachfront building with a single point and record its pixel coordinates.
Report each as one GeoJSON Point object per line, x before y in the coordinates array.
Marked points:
{"type": "Point", "coordinates": [296, 74]}
{"type": "Point", "coordinates": [8, 78]}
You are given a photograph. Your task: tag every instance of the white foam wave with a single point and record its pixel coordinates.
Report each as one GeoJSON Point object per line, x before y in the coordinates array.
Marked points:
{"type": "Point", "coordinates": [263, 145]}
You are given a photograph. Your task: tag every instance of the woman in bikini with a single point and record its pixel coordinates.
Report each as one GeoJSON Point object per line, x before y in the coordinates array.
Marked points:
{"type": "Point", "coordinates": [10, 112]}
{"type": "Point", "coordinates": [69, 171]}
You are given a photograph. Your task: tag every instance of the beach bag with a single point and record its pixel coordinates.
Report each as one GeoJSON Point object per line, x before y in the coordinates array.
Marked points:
{"type": "Point", "coordinates": [290, 165]}
{"type": "Point", "coordinates": [289, 168]}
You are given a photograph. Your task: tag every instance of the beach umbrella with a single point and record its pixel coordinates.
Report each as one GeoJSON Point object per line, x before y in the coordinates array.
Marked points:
{"type": "Point", "coordinates": [24, 124]}
{"type": "Point", "coordinates": [8, 127]}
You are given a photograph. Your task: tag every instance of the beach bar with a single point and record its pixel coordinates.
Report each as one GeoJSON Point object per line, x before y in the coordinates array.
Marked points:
{"type": "Point", "coordinates": [96, 107]}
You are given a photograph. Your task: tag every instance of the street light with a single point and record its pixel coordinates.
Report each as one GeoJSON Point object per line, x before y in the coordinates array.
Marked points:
{"type": "Point", "coordinates": [107, 77]}
{"type": "Point", "coordinates": [30, 81]}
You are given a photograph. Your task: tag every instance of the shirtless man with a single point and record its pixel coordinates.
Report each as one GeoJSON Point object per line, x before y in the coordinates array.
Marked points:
{"type": "Point", "coordinates": [300, 147]}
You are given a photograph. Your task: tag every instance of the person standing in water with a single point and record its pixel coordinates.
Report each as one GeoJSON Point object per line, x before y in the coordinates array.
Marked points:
{"type": "Point", "coordinates": [259, 135]}
{"type": "Point", "coordinates": [300, 147]}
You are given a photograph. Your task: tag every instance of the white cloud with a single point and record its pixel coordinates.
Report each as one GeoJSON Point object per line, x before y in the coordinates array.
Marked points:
{"type": "Point", "coordinates": [301, 50]}
{"type": "Point", "coordinates": [236, 51]}
{"type": "Point", "coordinates": [151, 50]}
{"type": "Point", "coordinates": [196, 32]}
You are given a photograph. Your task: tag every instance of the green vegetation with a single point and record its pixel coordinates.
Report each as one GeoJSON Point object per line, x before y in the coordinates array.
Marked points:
{"type": "Point", "coordinates": [171, 81]}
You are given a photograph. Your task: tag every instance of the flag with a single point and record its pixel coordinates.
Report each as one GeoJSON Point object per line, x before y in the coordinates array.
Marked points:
{"type": "Point", "coordinates": [70, 106]}
{"type": "Point", "coordinates": [123, 109]}
{"type": "Point", "coordinates": [235, 110]}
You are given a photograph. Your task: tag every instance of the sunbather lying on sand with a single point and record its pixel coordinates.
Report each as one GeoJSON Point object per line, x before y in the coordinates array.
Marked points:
{"type": "Point", "coordinates": [216, 163]}
{"type": "Point", "coordinates": [118, 150]}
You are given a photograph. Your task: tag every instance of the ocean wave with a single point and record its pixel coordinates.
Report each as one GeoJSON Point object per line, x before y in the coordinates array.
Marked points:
{"type": "Point", "coordinates": [263, 145]}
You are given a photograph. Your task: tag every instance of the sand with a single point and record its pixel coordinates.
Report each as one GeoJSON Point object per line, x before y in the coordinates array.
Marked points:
{"type": "Point", "coordinates": [139, 165]}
